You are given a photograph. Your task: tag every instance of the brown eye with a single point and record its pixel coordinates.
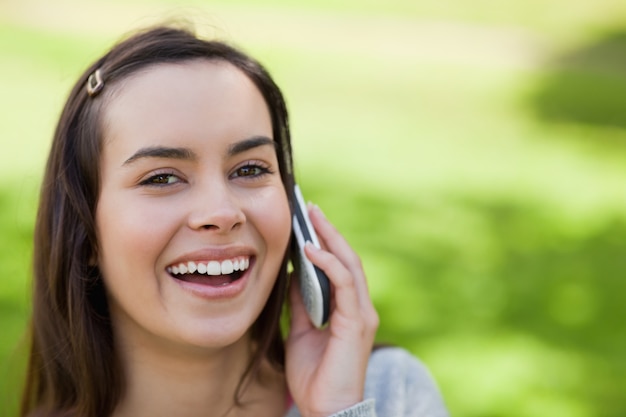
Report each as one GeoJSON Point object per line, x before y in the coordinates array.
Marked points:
{"type": "Point", "coordinates": [161, 179]}
{"type": "Point", "coordinates": [250, 171]}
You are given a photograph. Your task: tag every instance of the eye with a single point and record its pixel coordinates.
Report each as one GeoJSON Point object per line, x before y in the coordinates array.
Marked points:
{"type": "Point", "coordinates": [161, 179]}
{"type": "Point", "coordinates": [251, 170]}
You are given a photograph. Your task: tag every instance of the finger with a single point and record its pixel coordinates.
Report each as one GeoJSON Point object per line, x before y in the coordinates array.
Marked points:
{"type": "Point", "coordinates": [336, 243]}
{"type": "Point", "coordinates": [333, 240]}
{"type": "Point", "coordinates": [345, 293]}
{"type": "Point", "coordinates": [339, 246]}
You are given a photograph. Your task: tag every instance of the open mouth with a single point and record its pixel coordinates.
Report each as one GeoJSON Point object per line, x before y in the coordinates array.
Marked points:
{"type": "Point", "coordinates": [211, 273]}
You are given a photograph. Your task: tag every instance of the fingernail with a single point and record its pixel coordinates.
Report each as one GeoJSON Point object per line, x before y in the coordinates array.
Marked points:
{"type": "Point", "coordinates": [311, 246]}
{"type": "Point", "coordinates": [319, 210]}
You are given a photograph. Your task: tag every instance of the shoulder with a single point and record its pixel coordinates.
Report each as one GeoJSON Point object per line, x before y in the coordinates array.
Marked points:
{"type": "Point", "coordinates": [402, 385]}
{"type": "Point", "coordinates": [395, 363]}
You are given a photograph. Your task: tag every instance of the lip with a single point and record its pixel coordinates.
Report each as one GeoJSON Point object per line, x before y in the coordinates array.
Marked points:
{"type": "Point", "coordinates": [208, 292]}
{"type": "Point", "coordinates": [214, 254]}
{"type": "Point", "coordinates": [222, 292]}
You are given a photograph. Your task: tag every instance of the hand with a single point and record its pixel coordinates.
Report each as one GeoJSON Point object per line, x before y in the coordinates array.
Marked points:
{"type": "Point", "coordinates": [326, 367]}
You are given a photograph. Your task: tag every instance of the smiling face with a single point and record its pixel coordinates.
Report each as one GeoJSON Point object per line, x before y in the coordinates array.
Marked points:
{"type": "Point", "coordinates": [192, 219]}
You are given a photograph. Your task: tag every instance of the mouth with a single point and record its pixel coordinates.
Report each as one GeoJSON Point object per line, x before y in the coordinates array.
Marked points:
{"type": "Point", "coordinates": [211, 273]}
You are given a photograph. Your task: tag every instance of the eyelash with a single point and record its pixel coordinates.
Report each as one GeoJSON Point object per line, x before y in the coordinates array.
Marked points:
{"type": "Point", "coordinates": [163, 177]}
{"type": "Point", "coordinates": [260, 168]}
{"type": "Point", "coordinates": [150, 181]}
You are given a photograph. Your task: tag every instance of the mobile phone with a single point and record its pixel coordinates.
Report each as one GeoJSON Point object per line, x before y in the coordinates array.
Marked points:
{"type": "Point", "coordinates": [314, 284]}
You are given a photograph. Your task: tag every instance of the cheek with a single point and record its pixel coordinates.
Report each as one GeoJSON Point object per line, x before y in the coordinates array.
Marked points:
{"type": "Point", "coordinates": [273, 218]}
{"type": "Point", "coordinates": [128, 235]}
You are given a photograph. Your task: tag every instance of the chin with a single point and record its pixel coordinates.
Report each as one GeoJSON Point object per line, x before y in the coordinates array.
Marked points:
{"type": "Point", "coordinates": [215, 334]}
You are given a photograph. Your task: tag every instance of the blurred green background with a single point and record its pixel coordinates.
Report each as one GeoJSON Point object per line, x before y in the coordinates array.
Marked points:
{"type": "Point", "coordinates": [472, 152]}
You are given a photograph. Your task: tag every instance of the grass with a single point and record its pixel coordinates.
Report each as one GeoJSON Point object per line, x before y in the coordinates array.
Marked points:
{"type": "Point", "coordinates": [475, 163]}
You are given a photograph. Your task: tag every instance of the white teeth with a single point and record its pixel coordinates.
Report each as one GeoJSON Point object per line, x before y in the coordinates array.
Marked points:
{"type": "Point", "coordinates": [225, 267]}
{"type": "Point", "coordinates": [213, 268]}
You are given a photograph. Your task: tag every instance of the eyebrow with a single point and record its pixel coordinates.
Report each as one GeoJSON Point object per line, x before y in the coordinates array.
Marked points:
{"type": "Point", "coordinates": [162, 152]}
{"type": "Point", "coordinates": [187, 154]}
{"type": "Point", "coordinates": [251, 143]}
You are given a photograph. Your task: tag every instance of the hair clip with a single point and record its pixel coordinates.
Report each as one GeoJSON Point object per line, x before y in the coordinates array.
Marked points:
{"type": "Point", "coordinates": [95, 83]}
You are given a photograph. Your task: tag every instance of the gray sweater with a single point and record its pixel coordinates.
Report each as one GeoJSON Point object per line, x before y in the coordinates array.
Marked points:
{"type": "Point", "coordinates": [397, 385]}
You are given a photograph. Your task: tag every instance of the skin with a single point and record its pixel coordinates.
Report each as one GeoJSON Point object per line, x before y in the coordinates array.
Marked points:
{"type": "Point", "coordinates": [189, 173]}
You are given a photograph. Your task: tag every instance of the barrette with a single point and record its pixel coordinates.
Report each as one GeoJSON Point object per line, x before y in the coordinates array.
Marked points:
{"type": "Point", "coordinates": [95, 83]}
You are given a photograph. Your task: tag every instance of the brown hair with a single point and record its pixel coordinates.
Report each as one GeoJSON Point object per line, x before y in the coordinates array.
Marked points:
{"type": "Point", "coordinates": [73, 367]}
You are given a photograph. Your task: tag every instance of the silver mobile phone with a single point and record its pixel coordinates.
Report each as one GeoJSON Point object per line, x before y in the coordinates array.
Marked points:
{"type": "Point", "coordinates": [314, 284]}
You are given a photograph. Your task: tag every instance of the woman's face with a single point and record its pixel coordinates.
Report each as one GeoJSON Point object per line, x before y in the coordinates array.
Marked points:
{"type": "Point", "coordinates": [192, 218]}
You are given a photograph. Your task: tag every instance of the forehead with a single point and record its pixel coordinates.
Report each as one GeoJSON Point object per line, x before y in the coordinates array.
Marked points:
{"type": "Point", "coordinates": [199, 97]}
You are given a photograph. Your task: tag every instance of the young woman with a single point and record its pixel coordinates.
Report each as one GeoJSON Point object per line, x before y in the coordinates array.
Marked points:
{"type": "Point", "coordinates": [161, 251]}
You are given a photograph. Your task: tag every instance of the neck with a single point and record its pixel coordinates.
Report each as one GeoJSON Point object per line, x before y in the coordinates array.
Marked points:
{"type": "Point", "coordinates": [170, 382]}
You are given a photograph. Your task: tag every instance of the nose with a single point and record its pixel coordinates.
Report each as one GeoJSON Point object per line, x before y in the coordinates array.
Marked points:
{"type": "Point", "coordinates": [216, 208]}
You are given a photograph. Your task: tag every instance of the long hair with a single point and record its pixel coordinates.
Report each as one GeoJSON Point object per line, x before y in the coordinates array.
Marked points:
{"type": "Point", "coordinates": [73, 367]}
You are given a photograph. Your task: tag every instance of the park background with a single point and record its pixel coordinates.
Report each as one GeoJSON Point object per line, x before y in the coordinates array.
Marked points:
{"type": "Point", "coordinates": [474, 153]}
